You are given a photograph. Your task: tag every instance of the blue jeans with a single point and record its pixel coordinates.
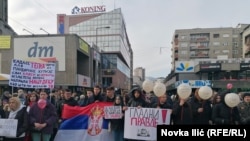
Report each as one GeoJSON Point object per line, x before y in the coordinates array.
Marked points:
{"type": "Point", "coordinates": [118, 135]}
{"type": "Point", "coordinates": [37, 136]}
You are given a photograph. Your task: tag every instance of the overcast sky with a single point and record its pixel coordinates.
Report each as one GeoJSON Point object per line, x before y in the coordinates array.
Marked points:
{"type": "Point", "coordinates": [150, 23]}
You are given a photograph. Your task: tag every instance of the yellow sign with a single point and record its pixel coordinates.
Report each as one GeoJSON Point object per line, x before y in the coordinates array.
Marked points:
{"type": "Point", "coordinates": [84, 46]}
{"type": "Point", "coordinates": [5, 42]}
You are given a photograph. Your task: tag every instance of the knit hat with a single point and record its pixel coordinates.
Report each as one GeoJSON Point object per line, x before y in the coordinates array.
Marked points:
{"type": "Point", "coordinates": [245, 94]}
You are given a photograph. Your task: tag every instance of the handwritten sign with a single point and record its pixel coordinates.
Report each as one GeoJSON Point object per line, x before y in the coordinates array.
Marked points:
{"type": "Point", "coordinates": [8, 127]}
{"type": "Point", "coordinates": [141, 123]}
{"type": "Point", "coordinates": [27, 74]}
{"type": "Point", "coordinates": [112, 112]}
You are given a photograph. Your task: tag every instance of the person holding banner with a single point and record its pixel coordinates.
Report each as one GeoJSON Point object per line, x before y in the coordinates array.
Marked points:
{"type": "Point", "coordinates": [17, 111]}
{"type": "Point", "coordinates": [136, 100]}
{"type": "Point", "coordinates": [117, 125]}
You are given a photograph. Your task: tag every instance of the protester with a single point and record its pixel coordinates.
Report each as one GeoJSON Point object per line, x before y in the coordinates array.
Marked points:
{"type": "Point", "coordinates": [117, 125]}
{"type": "Point", "coordinates": [17, 111]}
{"type": "Point", "coordinates": [244, 109]}
{"type": "Point", "coordinates": [42, 116]}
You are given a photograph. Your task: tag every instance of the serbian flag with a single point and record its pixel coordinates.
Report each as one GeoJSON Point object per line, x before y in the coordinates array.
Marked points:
{"type": "Point", "coordinates": [84, 123]}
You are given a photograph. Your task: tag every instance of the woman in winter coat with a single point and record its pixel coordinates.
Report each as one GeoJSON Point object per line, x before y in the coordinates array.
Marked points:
{"type": "Point", "coordinates": [136, 99]}
{"type": "Point", "coordinates": [42, 119]}
{"type": "Point", "coordinates": [17, 111]}
{"type": "Point", "coordinates": [201, 109]}
{"type": "Point", "coordinates": [182, 112]}
{"type": "Point", "coordinates": [117, 125]}
{"type": "Point", "coordinates": [222, 114]}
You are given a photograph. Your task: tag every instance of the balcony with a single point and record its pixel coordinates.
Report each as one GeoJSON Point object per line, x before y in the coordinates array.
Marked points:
{"type": "Point", "coordinates": [201, 47]}
{"type": "Point", "coordinates": [200, 39]}
{"type": "Point", "coordinates": [199, 55]}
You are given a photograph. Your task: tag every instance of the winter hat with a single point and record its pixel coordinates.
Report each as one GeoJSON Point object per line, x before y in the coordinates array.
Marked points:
{"type": "Point", "coordinates": [245, 94]}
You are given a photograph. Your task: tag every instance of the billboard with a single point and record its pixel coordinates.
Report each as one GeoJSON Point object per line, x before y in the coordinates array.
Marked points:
{"type": "Point", "coordinates": [210, 67]}
{"type": "Point", "coordinates": [244, 66]}
{"type": "Point", "coordinates": [41, 49]}
{"type": "Point", "coordinates": [83, 81]}
{"type": "Point", "coordinates": [5, 42]}
{"type": "Point", "coordinates": [194, 83]}
{"type": "Point", "coordinates": [184, 66]}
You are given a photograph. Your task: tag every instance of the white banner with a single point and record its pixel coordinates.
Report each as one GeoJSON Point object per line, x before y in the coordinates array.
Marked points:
{"type": "Point", "coordinates": [8, 127]}
{"type": "Point", "coordinates": [141, 123]}
{"type": "Point", "coordinates": [27, 74]}
{"type": "Point", "coordinates": [112, 112]}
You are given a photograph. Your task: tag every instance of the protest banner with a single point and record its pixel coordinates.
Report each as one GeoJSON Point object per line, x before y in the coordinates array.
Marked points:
{"type": "Point", "coordinates": [141, 123]}
{"type": "Point", "coordinates": [8, 127]}
{"type": "Point", "coordinates": [112, 112]}
{"type": "Point", "coordinates": [27, 74]}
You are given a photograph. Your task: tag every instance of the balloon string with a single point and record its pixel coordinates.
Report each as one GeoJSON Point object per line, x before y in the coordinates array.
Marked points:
{"type": "Point", "coordinates": [158, 101]}
{"type": "Point", "coordinates": [181, 113]}
{"type": "Point", "coordinates": [231, 116]}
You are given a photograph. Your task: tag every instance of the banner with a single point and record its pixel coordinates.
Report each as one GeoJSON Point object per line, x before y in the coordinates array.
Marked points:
{"type": "Point", "coordinates": [84, 123]}
{"type": "Point", "coordinates": [112, 112]}
{"type": "Point", "coordinates": [141, 123]}
{"type": "Point", "coordinates": [8, 127]}
{"type": "Point", "coordinates": [27, 74]}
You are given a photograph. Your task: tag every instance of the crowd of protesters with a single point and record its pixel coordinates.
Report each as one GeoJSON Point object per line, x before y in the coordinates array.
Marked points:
{"type": "Point", "coordinates": [36, 123]}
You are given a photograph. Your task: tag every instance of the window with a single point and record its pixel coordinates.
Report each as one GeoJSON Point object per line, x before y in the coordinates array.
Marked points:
{"type": "Point", "coordinates": [235, 52]}
{"type": "Point", "coordinates": [216, 35]}
{"type": "Point", "coordinates": [225, 51]}
{"type": "Point", "coordinates": [225, 35]}
{"type": "Point", "coordinates": [216, 43]}
{"type": "Point", "coordinates": [217, 52]}
{"type": "Point", "coordinates": [235, 44]}
{"type": "Point", "coordinates": [183, 52]}
{"type": "Point", "coordinates": [225, 44]}
{"type": "Point", "coordinates": [183, 37]}
{"type": "Point", "coordinates": [184, 45]}
{"type": "Point", "coordinates": [235, 36]}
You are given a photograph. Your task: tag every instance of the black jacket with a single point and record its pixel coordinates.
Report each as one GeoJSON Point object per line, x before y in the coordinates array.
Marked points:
{"type": "Point", "coordinates": [22, 118]}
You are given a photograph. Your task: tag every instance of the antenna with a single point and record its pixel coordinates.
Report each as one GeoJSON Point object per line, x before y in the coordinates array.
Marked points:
{"type": "Point", "coordinates": [28, 31]}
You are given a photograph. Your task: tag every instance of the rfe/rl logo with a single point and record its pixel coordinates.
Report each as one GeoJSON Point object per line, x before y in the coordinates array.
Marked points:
{"type": "Point", "coordinates": [36, 51]}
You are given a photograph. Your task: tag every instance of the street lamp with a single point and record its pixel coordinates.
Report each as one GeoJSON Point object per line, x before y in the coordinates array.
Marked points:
{"type": "Point", "coordinates": [44, 30]}
{"type": "Point", "coordinates": [96, 68]}
{"type": "Point", "coordinates": [28, 31]}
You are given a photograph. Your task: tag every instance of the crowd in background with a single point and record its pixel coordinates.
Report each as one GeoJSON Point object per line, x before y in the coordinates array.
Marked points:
{"type": "Point", "coordinates": [36, 122]}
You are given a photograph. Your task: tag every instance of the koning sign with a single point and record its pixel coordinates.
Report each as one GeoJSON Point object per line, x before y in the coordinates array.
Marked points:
{"type": "Point", "coordinates": [90, 9]}
{"type": "Point", "coordinates": [27, 74]}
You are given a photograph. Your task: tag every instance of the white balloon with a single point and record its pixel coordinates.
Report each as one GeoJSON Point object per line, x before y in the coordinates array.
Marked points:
{"type": "Point", "coordinates": [184, 91]}
{"type": "Point", "coordinates": [148, 86]}
{"type": "Point", "coordinates": [159, 89]}
{"type": "Point", "coordinates": [205, 92]}
{"type": "Point", "coordinates": [232, 99]}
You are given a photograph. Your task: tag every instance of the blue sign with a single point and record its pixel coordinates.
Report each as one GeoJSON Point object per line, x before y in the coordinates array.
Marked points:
{"type": "Point", "coordinates": [194, 83]}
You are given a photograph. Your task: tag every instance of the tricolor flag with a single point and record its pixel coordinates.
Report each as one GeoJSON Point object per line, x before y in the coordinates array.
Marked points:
{"type": "Point", "coordinates": [84, 123]}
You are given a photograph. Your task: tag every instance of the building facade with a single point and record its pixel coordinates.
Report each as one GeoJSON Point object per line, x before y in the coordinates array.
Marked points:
{"type": "Point", "coordinates": [210, 56]}
{"type": "Point", "coordinates": [5, 29]}
{"type": "Point", "coordinates": [139, 76]}
{"type": "Point", "coordinates": [72, 55]}
{"type": "Point", "coordinates": [107, 33]}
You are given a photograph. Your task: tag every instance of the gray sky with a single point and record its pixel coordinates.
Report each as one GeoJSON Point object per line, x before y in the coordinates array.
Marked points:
{"type": "Point", "coordinates": [150, 23]}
